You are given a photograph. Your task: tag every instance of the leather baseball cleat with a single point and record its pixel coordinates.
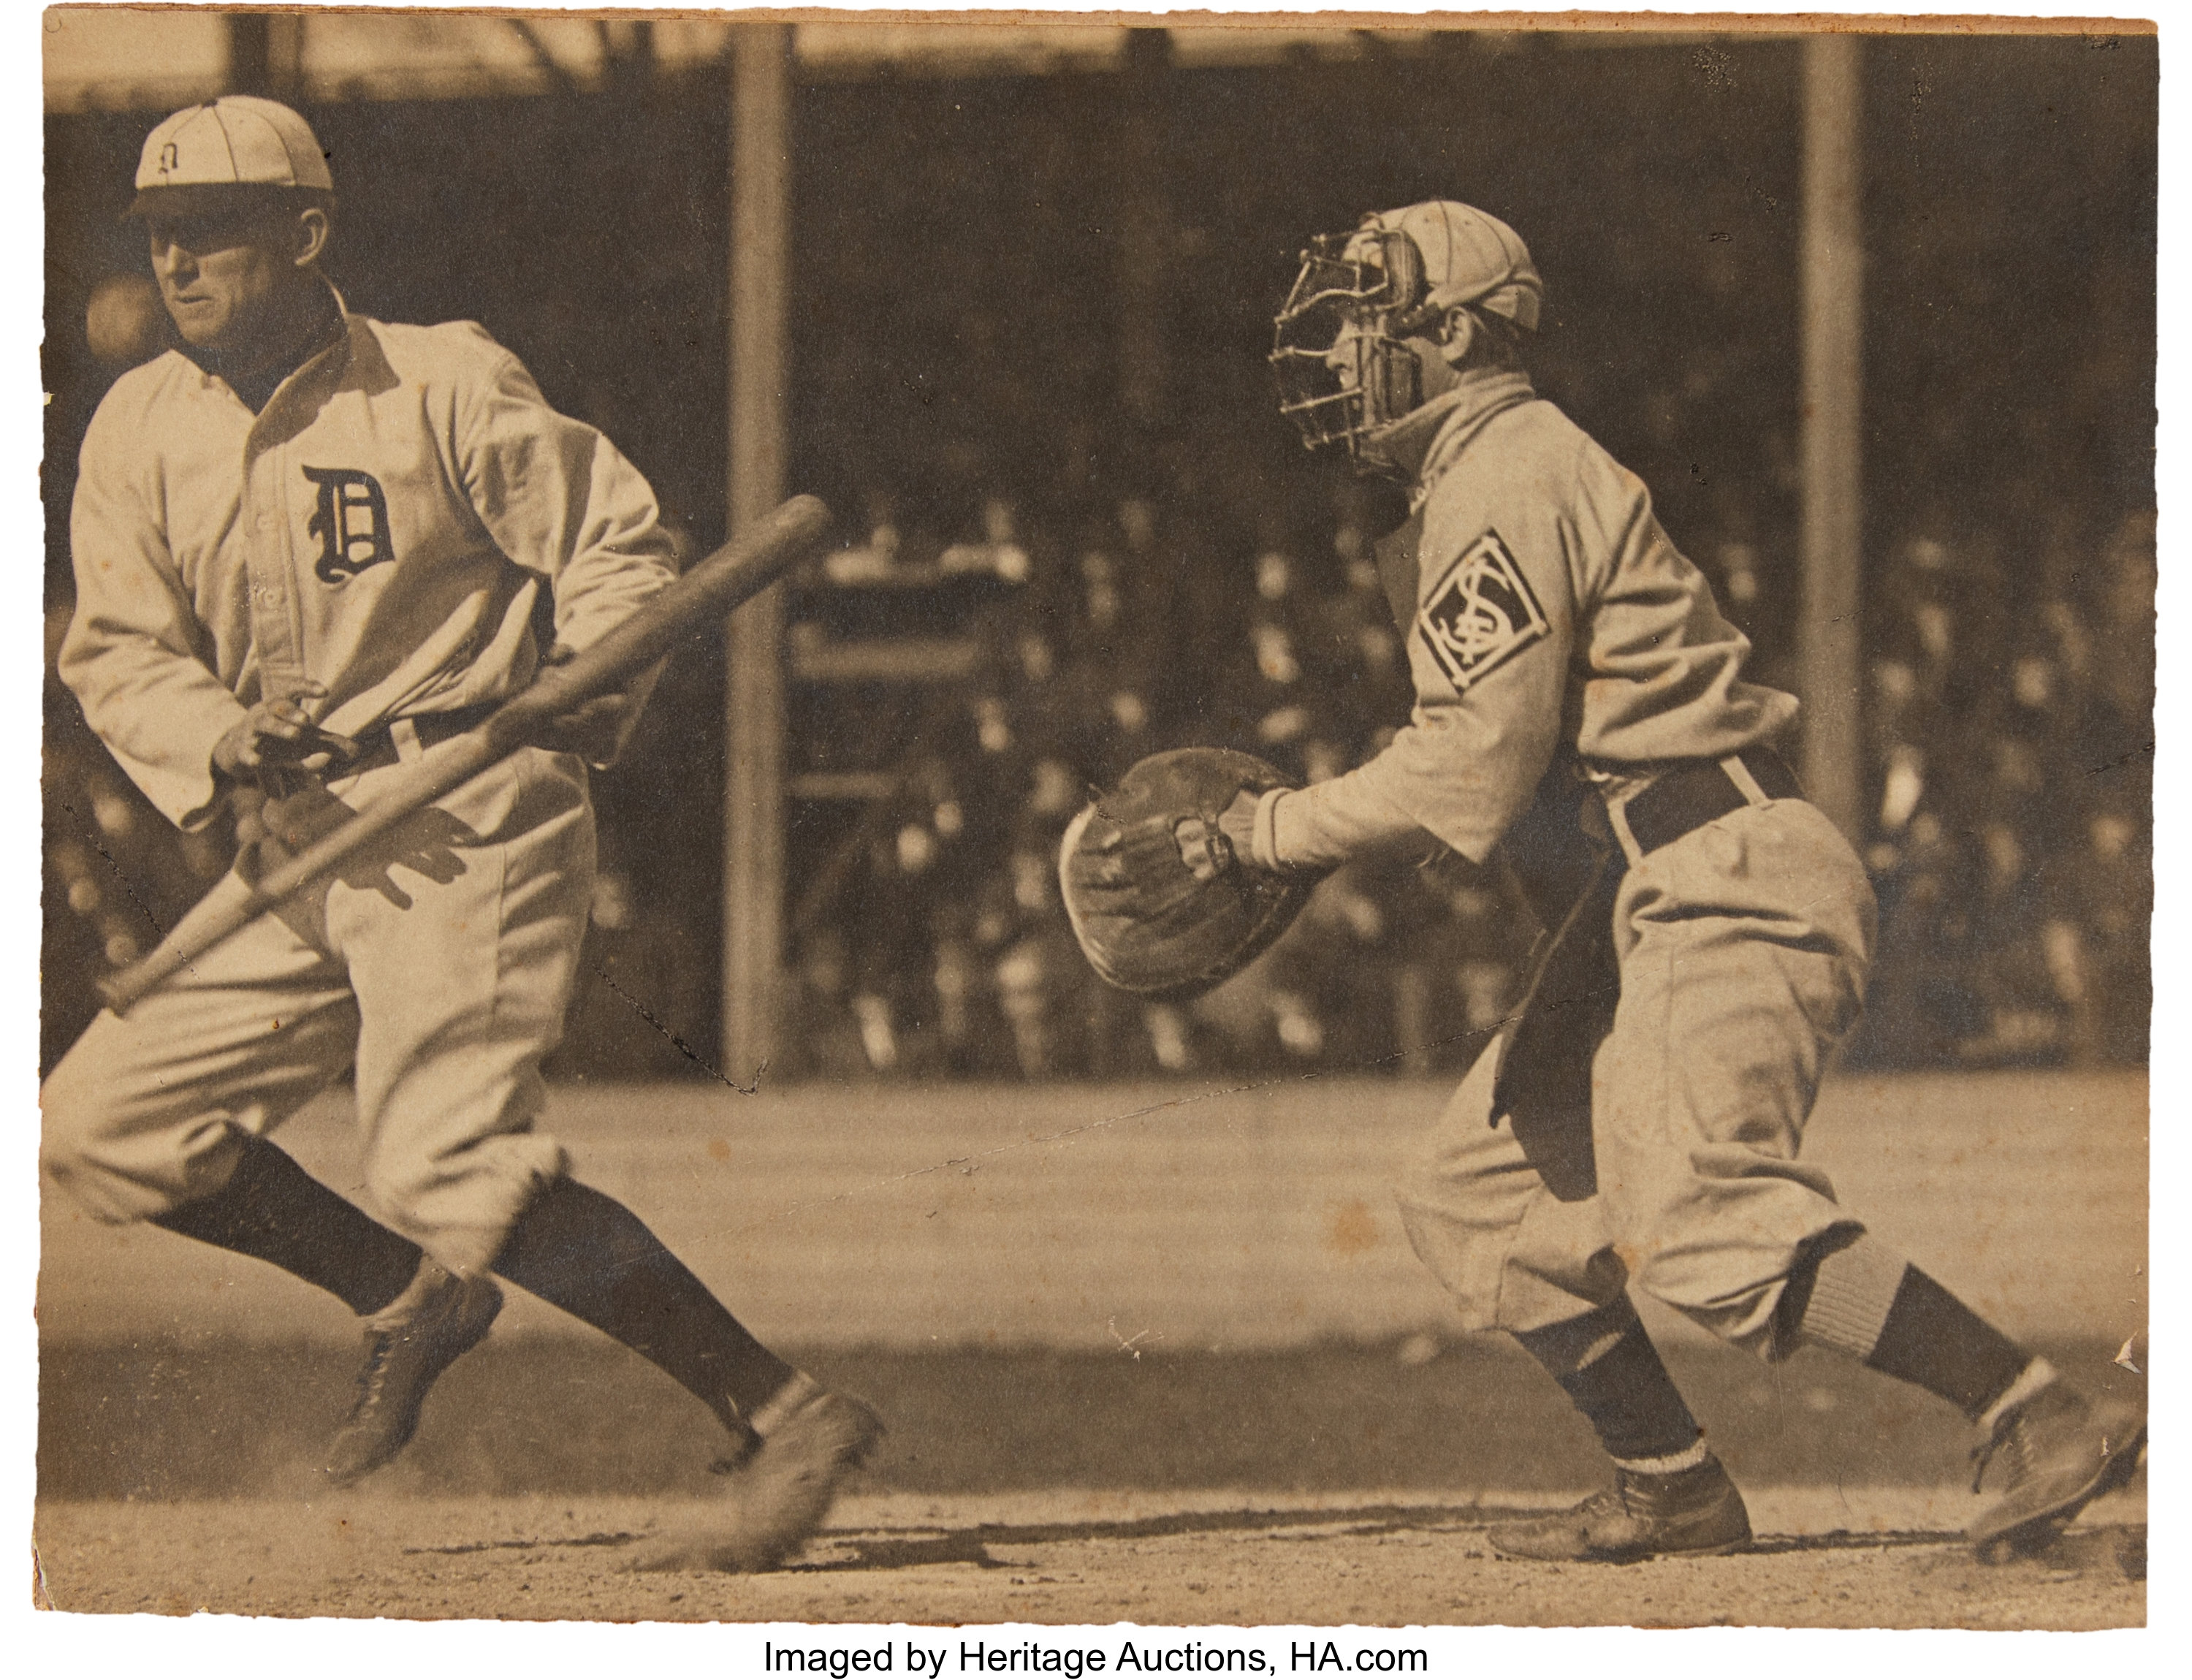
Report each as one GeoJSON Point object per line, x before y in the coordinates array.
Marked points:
{"type": "Point", "coordinates": [2063, 1451]}
{"type": "Point", "coordinates": [408, 1343]}
{"type": "Point", "coordinates": [1696, 1513]}
{"type": "Point", "coordinates": [811, 1440]}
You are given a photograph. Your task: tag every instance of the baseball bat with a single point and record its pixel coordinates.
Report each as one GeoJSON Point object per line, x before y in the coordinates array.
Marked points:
{"type": "Point", "coordinates": [732, 575]}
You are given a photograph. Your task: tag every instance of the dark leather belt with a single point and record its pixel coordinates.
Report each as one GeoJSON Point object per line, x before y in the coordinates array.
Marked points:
{"type": "Point", "coordinates": [1703, 792]}
{"type": "Point", "coordinates": [377, 750]}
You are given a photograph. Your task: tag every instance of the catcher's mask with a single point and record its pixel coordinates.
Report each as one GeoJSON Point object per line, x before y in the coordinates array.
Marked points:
{"type": "Point", "coordinates": [1337, 349]}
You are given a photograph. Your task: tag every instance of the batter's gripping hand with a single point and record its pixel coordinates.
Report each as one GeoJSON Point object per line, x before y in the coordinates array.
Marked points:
{"type": "Point", "coordinates": [1164, 902]}
{"type": "Point", "coordinates": [277, 748]}
{"type": "Point", "coordinates": [595, 729]}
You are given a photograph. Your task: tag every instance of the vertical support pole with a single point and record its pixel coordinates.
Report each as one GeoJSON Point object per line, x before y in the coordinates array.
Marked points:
{"type": "Point", "coordinates": [753, 790]}
{"type": "Point", "coordinates": [1833, 305]}
{"type": "Point", "coordinates": [1145, 217]}
{"type": "Point", "coordinates": [266, 54]}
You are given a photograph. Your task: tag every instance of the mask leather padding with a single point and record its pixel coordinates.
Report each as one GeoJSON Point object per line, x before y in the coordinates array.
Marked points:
{"type": "Point", "coordinates": [1392, 381]}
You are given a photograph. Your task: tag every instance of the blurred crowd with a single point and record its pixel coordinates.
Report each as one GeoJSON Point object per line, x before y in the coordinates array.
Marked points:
{"type": "Point", "coordinates": [931, 938]}
{"type": "Point", "coordinates": [956, 695]}
{"type": "Point", "coordinates": [2009, 756]}
{"type": "Point", "coordinates": [2009, 738]}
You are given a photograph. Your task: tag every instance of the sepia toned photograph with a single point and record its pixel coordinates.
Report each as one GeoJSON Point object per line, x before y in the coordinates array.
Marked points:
{"type": "Point", "coordinates": [1216, 822]}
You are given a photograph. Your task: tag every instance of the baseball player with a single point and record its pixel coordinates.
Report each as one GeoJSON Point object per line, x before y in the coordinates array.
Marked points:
{"type": "Point", "coordinates": [307, 546]}
{"type": "Point", "coordinates": [1581, 712]}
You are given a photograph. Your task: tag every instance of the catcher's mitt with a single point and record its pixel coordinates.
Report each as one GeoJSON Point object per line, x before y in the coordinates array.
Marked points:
{"type": "Point", "coordinates": [1159, 901]}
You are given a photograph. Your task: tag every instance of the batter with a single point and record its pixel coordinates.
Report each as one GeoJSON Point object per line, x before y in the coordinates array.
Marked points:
{"type": "Point", "coordinates": [307, 546]}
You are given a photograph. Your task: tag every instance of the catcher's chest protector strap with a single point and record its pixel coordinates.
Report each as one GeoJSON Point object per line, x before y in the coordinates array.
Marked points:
{"type": "Point", "coordinates": [1570, 877]}
{"type": "Point", "coordinates": [1399, 569]}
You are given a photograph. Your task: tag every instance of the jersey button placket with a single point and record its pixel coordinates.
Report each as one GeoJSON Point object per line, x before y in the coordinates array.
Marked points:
{"type": "Point", "coordinates": [274, 622]}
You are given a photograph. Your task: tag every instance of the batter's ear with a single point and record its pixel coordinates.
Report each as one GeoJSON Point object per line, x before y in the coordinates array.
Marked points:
{"type": "Point", "coordinates": [312, 232]}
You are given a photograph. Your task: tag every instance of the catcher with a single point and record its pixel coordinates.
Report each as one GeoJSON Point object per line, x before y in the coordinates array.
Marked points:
{"type": "Point", "coordinates": [1581, 714]}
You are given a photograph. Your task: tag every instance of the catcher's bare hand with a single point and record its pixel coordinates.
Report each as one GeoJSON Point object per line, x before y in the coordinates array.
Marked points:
{"type": "Point", "coordinates": [277, 748]}
{"type": "Point", "coordinates": [1237, 823]}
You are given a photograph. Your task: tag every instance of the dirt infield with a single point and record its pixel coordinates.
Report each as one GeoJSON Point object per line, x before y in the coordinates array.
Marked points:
{"type": "Point", "coordinates": [217, 1419]}
{"type": "Point", "coordinates": [1036, 1487]}
{"type": "Point", "coordinates": [1081, 1310]}
{"type": "Point", "coordinates": [1850, 1557]}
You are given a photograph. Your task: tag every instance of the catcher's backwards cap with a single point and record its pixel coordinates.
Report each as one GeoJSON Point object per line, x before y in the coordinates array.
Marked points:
{"type": "Point", "coordinates": [1468, 258]}
{"type": "Point", "coordinates": [205, 153]}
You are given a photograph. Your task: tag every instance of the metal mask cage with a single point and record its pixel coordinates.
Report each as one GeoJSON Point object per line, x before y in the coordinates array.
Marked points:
{"type": "Point", "coordinates": [1329, 277]}
{"type": "Point", "coordinates": [1340, 399]}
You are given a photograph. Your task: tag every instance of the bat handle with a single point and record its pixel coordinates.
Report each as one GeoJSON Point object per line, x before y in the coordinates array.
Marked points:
{"type": "Point", "coordinates": [119, 990]}
{"type": "Point", "coordinates": [211, 921]}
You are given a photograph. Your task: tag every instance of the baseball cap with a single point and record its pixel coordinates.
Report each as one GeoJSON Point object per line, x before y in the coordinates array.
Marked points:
{"type": "Point", "coordinates": [1468, 258]}
{"type": "Point", "coordinates": [206, 151]}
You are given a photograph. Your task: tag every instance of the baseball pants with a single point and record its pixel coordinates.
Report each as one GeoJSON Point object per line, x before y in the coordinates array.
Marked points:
{"type": "Point", "coordinates": [1743, 948]}
{"type": "Point", "coordinates": [443, 994]}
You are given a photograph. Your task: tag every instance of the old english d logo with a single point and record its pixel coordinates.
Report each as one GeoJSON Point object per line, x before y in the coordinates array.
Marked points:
{"type": "Point", "coordinates": [351, 522]}
{"type": "Point", "coordinates": [1481, 614]}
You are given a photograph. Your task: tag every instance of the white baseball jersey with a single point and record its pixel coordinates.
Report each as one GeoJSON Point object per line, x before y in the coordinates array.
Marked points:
{"type": "Point", "coordinates": [1549, 605]}
{"type": "Point", "coordinates": [383, 527]}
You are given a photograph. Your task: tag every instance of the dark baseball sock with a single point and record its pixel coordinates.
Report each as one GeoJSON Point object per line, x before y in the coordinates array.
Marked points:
{"type": "Point", "coordinates": [272, 1209]}
{"type": "Point", "coordinates": [1606, 1361]}
{"type": "Point", "coordinates": [1862, 1297]}
{"type": "Point", "coordinates": [588, 1254]}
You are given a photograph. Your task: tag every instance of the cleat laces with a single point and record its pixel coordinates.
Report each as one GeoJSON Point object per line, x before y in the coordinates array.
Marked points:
{"type": "Point", "coordinates": [373, 1375]}
{"type": "Point", "coordinates": [2006, 1438]}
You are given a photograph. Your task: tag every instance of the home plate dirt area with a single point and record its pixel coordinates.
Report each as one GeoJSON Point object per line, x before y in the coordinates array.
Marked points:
{"type": "Point", "coordinates": [1392, 1558]}
{"type": "Point", "coordinates": [1149, 1355]}
{"type": "Point", "coordinates": [1033, 1487]}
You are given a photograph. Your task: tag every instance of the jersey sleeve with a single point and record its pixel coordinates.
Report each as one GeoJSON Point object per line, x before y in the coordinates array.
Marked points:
{"type": "Point", "coordinates": [1489, 649]}
{"type": "Point", "coordinates": [1667, 668]}
{"type": "Point", "coordinates": [560, 499]}
{"type": "Point", "coordinates": [135, 655]}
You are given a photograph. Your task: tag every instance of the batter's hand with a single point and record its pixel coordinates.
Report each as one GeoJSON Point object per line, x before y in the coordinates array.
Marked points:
{"type": "Point", "coordinates": [593, 729]}
{"type": "Point", "coordinates": [277, 748]}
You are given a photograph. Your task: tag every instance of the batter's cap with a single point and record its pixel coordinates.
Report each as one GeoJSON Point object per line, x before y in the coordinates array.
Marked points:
{"type": "Point", "coordinates": [1468, 258]}
{"type": "Point", "coordinates": [237, 140]}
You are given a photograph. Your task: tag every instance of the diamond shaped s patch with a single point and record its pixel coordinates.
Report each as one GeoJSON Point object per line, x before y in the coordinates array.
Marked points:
{"type": "Point", "coordinates": [1481, 614]}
